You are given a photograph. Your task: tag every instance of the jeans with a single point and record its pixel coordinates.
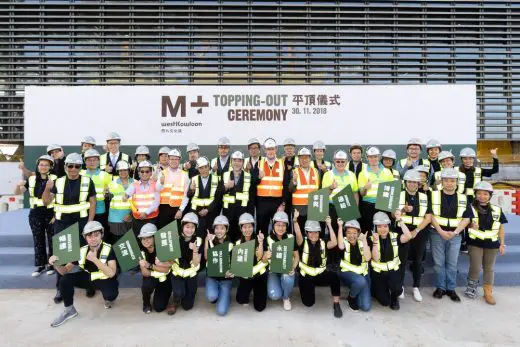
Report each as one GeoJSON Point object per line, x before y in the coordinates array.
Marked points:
{"type": "Point", "coordinates": [219, 290]}
{"type": "Point", "coordinates": [445, 257]}
{"type": "Point", "coordinates": [279, 285]}
{"type": "Point", "coordinates": [359, 287]}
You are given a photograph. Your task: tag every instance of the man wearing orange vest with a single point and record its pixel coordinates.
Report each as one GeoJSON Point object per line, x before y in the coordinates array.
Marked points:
{"type": "Point", "coordinates": [173, 185]}
{"type": "Point", "coordinates": [272, 189]}
{"type": "Point", "coordinates": [305, 180]}
{"type": "Point", "coordinates": [145, 198]}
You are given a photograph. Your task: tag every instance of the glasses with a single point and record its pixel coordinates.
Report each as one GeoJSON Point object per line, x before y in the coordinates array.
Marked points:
{"type": "Point", "coordinates": [145, 171]}
{"type": "Point", "coordinates": [341, 161]}
{"type": "Point", "coordinates": [72, 166]}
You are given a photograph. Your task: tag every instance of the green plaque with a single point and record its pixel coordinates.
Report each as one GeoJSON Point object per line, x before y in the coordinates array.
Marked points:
{"type": "Point", "coordinates": [345, 204]}
{"type": "Point", "coordinates": [242, 259]}
{"type": "Point", "coordinates": [167, 243]}
{"type": "Point", "coordinates": [65, 245]}
{"type": "Point", "coordinates": [318, 206]}
{"type": "Point", "coordinates": [282, 256]}
{"type": "Point", "coordinates": [127, 251]}
{"type": "Point", "coordinates": [388, 196]}
{"type": "Point", "coordinates": [218, 260]}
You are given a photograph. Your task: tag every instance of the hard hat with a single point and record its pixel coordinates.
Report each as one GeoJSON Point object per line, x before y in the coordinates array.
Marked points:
{"type": "Point", "coordinates": [52, 147]}
{"type": "Point", "coordinates": [355, 146]}
{"type": "Point", "coordinates": [281, 216]}
{"type": "Point", "coordinates": [422, 168]}
{"type": "Point", "coordinates": [446, 154]}
{"type": "Point", "coordinates": [175, 153]}
{"type": "Point", "coordinates": [304, 151]}
{"type": "Point", "coordinates": [164, 150]}
{"type": "Point", "coordinates": [312, 226]}
{"type": "Point", "coordinates": [190, 218]}
{"type": "Point", "coordinates": [246, 218]}
{"type": "Point", "coordinates": [92, 226]}
{"type": "Point", "coordinates": [90, 140]}
{"type": "Point", "coordinates": [414, 141]}
{"type": "Point", "coordinates": [45, 157]}
{"type": "Point", "coordinates": [252, 141]}
{"type": "Point", "coordinates": [145, 163]}
{"type": "Point", "coordinates": [380, 218]}
{"type": "Point", "coordinates": [223, 141]}
{"type": "Point", "coordinates": [319, 145]}
{"type": "Point", "coordinates": [74, 158]}
{"type": "Point", "coordinates": [220, 220]}
{"type": "Point", "coordinates": [449, 173]}
{"type": "Point", "coordinates": [269, 143]}
{"type": "Point", "coordinates": [483, 185]}
{"type": "Point", "coordinates": [122, 165]}
{"type": "Point", "coordinates": [192, 147]}
{"type": "Point", "coordinates": [468, 153]}
{"type": "Point", "coordinates": [412, 176]}
{"type": "Point", "coordinates": [202, 161]}
{"type": "Point", "coordinates": [142, 149]}
{"type": "Point", "coordinates": [289, 142]}
{"type": "Point", "coordinates": [353, 224]}
{"type": "Point", "coordinates": [147, 230]}
{"type": "Point", "coordinates": [113, 136]}
{"type": "Point", "coordinates": [373, 151]}
{"type": "Point", "coordinates": [89, 153]}
{"type": "Point", "coordinates": [433, 144]}
{"type": "Point", "coordinates": [237, 155]}
{"type": "Point", "coordinates": [389, 153]}
{"type": "Point", "coordinates": [340, 154]}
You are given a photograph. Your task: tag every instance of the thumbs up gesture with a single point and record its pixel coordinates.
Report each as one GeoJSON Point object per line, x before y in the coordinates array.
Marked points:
{"type": "Point", "coordinates": [248, 166]}
{"type": "Point", "coordinates": [261, 174]}
{"type": "Point", "coordinates": [260, 237]}
{"type": "Point", "coordinates": [295, 177]}
{"type": "Point", "coordinates": [49, 185]}
{"type": "Point", "coordinates": [368, 185]}
{"type": "Point", "coordinates": [230, 184]}
{"type": "Point", "coordinates": [362, 237]}
{"type": "Point", "coordinates": [109, 168]}
{"type": "Point", "coordinates": [192, 185]}
{"type": "Point", "coordinates": [407, 208]}
{"type": "Point", "coordinates": [334, 184]}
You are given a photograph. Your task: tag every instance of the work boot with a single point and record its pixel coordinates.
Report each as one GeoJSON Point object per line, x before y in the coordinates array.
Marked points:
{"type": "Point", "coordinates": [471, 290]}
{"type": "Point", "coordinates": [58, 298]}
{"type": "Point", "coordinates": [453, 295]}
{"type": "Point", "coordinates": [488, 294]}
{"type": "Point", "coordinates": [338, 313]}
{"type": "Point", "coordinates": [439, 293]}
{"type": "Point", "coordinates": [172, 308]}
{"type": "Point", "coordinates": [68, 313]}
{"type": "Point", "coordinates": [91, 292]}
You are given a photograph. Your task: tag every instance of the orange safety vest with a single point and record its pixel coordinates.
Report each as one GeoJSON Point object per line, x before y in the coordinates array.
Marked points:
{"type": "Point", "coordinates": [173, 188]}
{"type": "Point", "coordinates": [143, 198]}
{"type": "Point", "coordinates": [300, 197]}
{"type": "Point", "coordinates": [272, 183]}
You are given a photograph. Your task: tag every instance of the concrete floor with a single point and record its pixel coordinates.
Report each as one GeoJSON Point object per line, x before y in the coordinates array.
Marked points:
{"type": "Point", "coordinates": [27, 314]}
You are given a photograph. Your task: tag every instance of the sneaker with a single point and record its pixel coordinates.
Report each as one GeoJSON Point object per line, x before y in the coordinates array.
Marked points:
{"type": "Point", "coordinates": [38, 271]}
{"type": "Point", "coordinates": [108, 304]}
{"type": "Point", "coordinates": [49, 270]}
{"type": "Point", "coordinates": [338, 313]}
{"type": "Point", "coordinates": [439, 293]}
{"type": "Point", "coordinates": [464, 248]}
{"type": "Point", "coordinates": [453, 296]}
{"type": "Point", "coordinates": [402, 294]}
{"type": "Point", "coordinates": [64, 316]}
{"type": "Point", "coordinates": [287, 304]}
{"type": "Point", "coordinates": [58, 298]}
{"type": "Point", "coordinates": [91, 292]}
{"type": "Point", "coordinates": [417, 294]}
{"type": "Point", "coordinates": [352, 303]}
{"type": "Point", "coordinates": [147, 309]}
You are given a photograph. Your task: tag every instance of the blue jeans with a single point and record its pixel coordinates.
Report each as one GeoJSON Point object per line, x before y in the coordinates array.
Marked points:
{"type": "Point", "coordinates": [359, 287]}
{"type": "Point", "coordinates": [279, 285]}
{"type": "Point", "coordinates": [219, 291]}
{"type": "Point", "coordinates": [445, 257]}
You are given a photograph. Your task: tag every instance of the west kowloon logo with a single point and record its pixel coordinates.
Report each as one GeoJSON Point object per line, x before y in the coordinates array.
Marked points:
{"type": "Point", "coordinates": [169, 109]}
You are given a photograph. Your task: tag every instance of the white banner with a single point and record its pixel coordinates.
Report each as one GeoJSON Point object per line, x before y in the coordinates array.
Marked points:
{"type": "Point", "coordinates": [176, 115]}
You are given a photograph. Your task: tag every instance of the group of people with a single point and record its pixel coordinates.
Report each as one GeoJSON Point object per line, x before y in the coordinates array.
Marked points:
{"type": "Point", "coordinates": [263, 197]}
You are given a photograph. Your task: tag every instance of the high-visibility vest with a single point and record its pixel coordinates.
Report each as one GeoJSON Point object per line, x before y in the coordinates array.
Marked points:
{"type": "Point", "coordinates": [309, 270]}
{"type": "Point", "coordinates": [347, 266]}
{"type": "Point", "coordinates": [105, 250]}
{"type": "Point", "coordinates": [296, 162]}
{"type": "Point", "coordinates": [328, 164]}
{"type": "Point", "coordinates": [397, 175]}
{"type": "Point", "coordinates": [248, 159]}
{"type": "Point", "coordinates": [393, 264]}
{"type": "Point", "coordinates": [477, 177]}
{"type": "Point", "coordinates": [178, 271]}
{"type": "Point", "coordinates": [100, 180]}
{"type": "Point", "coordinates": [143, 199]}
{"type": "Point", "coordinates": [172, 191]}
{"type": "Point", "coordinates": [300, 197]}
{"type": "Point", "coordinates": [242, 196]}
{"type": "Point", "coordinates": [161, 276]}
{"type": "Point", "coordinates": [103, 160]}
{"type": "Point", "coordinates": [260, 267]}
{"type": "Point", "coordinates": [348, 178]}
{"type": "Point", "coordinates": [118, 191]}
{"type": "Point", "coordinates": [385, 175]}
{"type": "Point", "coordinates": [83, 204]}
{"type": "Point", "coordinates": [436, 209]}
{"type": "Point", "coordinates": [424, 162]}
{"type": "Point", "coordinates": [423, 206]}
{"type": "Point", "coordinates": [33, 200]}
{"type": "Point", "coordinates": [271, 185]}
{"type": "Point", "coordinates": [271, 241]}
{"type": "Point", "coordinates": [461, 181]}
{"type": "Point", "coordinates": [214, 162]}
{"type": "Point", "coordinates": [196, 201]}
{"type": "Point", "coordinates": [490, 234]}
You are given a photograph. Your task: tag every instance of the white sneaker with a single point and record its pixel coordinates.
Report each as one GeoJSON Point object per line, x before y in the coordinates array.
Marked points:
{"type": "Point", "coordinates": [287, 304]}
{"type": "Point", "coordinates": [417, 294]}
{"type": "Point", "coordinates": [402, 295]}
{"type": "Point", "coordinates": [108, 304]}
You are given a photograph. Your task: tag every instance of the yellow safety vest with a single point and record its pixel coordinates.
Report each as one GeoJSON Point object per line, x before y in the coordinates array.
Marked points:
{"type": "Point", "coordinates": [204, 202]}
{"type": "Point", "coordinates": [34, 201]}
{"type": "Point", "coordinates": [397, 175]}
{"type": "Point", "coordinates": [260, 268]}
{"type": "Point", "coordinates": [393, 264]}
{"type": "Point", "coordinates": [105, 250]}
{"type": "Point", "coordinates": [423, 206]}
{"type": "Point", "coordinates": [308, 270]}
{"type": "Point", "coordinates": [348, 178]}
{"type": "Point", "coordinates": [83, 204]}
{"type": "Point", "coordinates": [118, 191]}
{"type": "Point", "coordinates": [178, 271]}
{"type": "Point", "coordinates": [436, 209]}
{"type": "Point", "coordinates": [161, 276]}
{"type": "Point", "coordinates": [328, 164]}
{"type": "Point", "coordinates": [424, 162]}
{"type": "Point", "coordinates": [461, 181]}
{"type": "Point", "coordinates": [101, 180]}
{"type": "Point", "coordinates": [477, 177]}
{"type": "Point", "coordinates": [490, 234]}
{"type": "Point", "coordinates": [384, 175]}
{"type": "Point", "coordinates": [243, 196]}
{"type": "Point", "coordinates": [347, 266]}
{"type": "Point", "coordinates": [103, 160]}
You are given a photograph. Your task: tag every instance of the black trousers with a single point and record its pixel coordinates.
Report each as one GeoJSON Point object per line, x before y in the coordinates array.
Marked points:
{"type": "Point", "coordinates": [308, 285]}
{"type": "Point", "coordinates": [386, 285]}
{"type": "Point", "coordinates": [42, 236]}
{"type": "Point", "coordinates": [265, 209]}
{"type": "Point", "coordinates": [167, 215]}
{"type": "Point", "coordinates": [403, 257]}
{"type": "Point", "coordinates": [137, 224]}
{"type": "Point", "coordinates": [59, 226]}
{"type": "Point", "coordinates": [367, 211]}
{"type": "Point", "coordinates": [184, 291]}
{"type": "Point", "coordinates": [161, 292]}
{"type": "Point", "coordinates": [258, 285]}
{"type": "Point", "coordinates": [109, 287]}
{"type": "Point", "coordinates": [416, 254]}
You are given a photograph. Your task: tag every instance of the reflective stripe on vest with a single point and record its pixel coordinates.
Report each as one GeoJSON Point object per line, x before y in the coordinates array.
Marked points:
{"type": "Point", "coordinates": [347, 266]}
{"type": "Point", "coordinates": [143, 198]}
{"type": "Point", "coordinates": [99, 183]}
{"type": "Point", "coordinates": [372, 192]}
{"type": "Point", "coordinates": [204, 202]}
{"type": "Point", "coordinates": [105, 250]}
{"type": "Point", "coordinates": [161, 276]}
{"type": "Point", "coordinates": [477, 177]}
{"type": "Point", "coordinates": [342, 181]}
{"type": "Point", "coordinates": [397, 175]}
{"type": "Point", "coordinates": [178, 271]}
{"type": "Point", "coordinates": [83, 204]}
{"type": "Point", "coordinates": [260, 268]}
{"type": "Point", "coordinates": [172, 191]}
{"type": "Point", "coordinates": [393, 264]}
{"type": "Point", "coordinates": [300, 197]}
{"type": "Point", "coordinates": [424, 162]}
{"type": "Point", "coordinates": [308, 270]}
{"type": "Point", "coordinates": [328, 164]}
{"type": "Point", "coordinates": [271, 185]}
{"type": "Point", "coordinates": [423, 206]}
{"type": "Point", "coordinates": [103, 160]}
{"type": "Point", "coordinates": [436, 209]}
{"type": "Point", "coordinates": [490, 234]}
{"type": "Point", "coordinates": [243, 196]}
{"type": "Point", "coordinates": [118, 191]}
{"type": "Point", "coordinates": [34, 201]}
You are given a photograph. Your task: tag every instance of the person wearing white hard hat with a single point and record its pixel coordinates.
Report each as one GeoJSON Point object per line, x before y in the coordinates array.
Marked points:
{"type": "Point", "coordinates": [413, 159]}
{"type": "Point", "coordinates": [218, 289]}
{"type": "Point", "coordinates": [272, 189]}
{"type": "Point", "coordinates": [206, 190]}
{"type": "Point", "coordinates": [222, 163]}
{"type": "Point", "coordinates": [290, 160]}
{"type": "Point", "coordinates": [386, 281]}
{"type": "Point", "coordinates": [74, 200]}
{"type": "Point", "coordinates": [416, 214]}
{"type": "Point", "coordinates": [238, 189]}
{"type": "Point", "coordinates": [192, 149]}
{"type": "Point", "coordinates": [258, 282]}
{"type": "Point", "coordinates": [119, 213]}
{"type": "Point", "coordinates": [40, 216]}
{"type": "Point", "coordinates": [433, 149]}
{"type": "Point", "coordinates": [142, 153]}
{"type": "Point", "coordinates": [173, 184]}
{"type": "Point", "coordinates": [88, 142]}
{"type": "Point", "coordinates": [368, 181]}
{"type": "Point", "coordinates": [486, 238]}
{"type": "Point", "coordinates": [475, 174]}
{"type": "Point", "coordinates": [163, 158]}
{"type": "Point", "coordinates": [313, 263]}
{"type": "Point", "coordinates": [356, 154]}
{"type": "Point", "coordinates": [424, 185]}
{"type": "Point", "coordinates": [279, 286]}
{"type": "Point", "coordinates": [96, 268]}
{"type": "Point", "coordinates": [451, 213]}
{"type": "Point", "coordinates": [319, 162]}
{"type": "Point", "coordinates": [185, 269]}
{"type": "Point", "coordinates": [388, 159]}
{"type": "Point", "coordinates": [108, 161]}
{"type": "Point", "coordinates": [354, 264]}
{"type": "Point", "coordinates": [447, 160]}
{"type": "Point", "coordinates": [251, 162]}
{"type": "Point", "coordinates": [156, 274]}
{"type": "Point", "coordinates": [56, 152]}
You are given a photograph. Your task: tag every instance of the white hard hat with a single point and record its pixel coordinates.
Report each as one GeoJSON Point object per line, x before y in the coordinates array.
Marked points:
{"type": "Point", "coordinates": [202, 161]}
{"type": "Point", "coordinates": [90, 140]}
{"type": "Point", "coordinates": [483, 185]}
{"type": "Point", "coordinates": [380, 218]}
{"type": "Point", "coordinates": [468, 153]}
{"type": "Point", "coordinates": [175, 153]}
{"type": "Point", "coordinates": [113, 136]}
{"type": "Point", "coordinates": [422, 168]}
{"type": "Point", "coordinates": [74, 158]}
{"type": "Point", "coordinates": [237, 155]}
{"type": "Point", "coordinates": [164, 150]}
{"type": "Point", "coordinates": [246, 218]}
{"type": "Point", "coordinates": [269, 143]}
{"type": "Point", "coordinates": [192, 147]}
{"type": "Point", "coordinates": [373, 151]}
{"type": "Point", "coordinates": [190, 217]}
{"type": "Point", "coordinates": [89, 153]}
{"type": "Point", "coordinates": [353, 224]}
{"type": "Point", "coordinates": [319, 145]}
{"type": "Point", "coordinates": [304, 151]}
{"type": "Point", "coordinates": [433, 144]}
{"type": "Point", "coordinates": [355, 146]}
{"type": "Point", "coordinates": [145, 163]}
{"type": "Point", "coordinates": [312, 226]}
{"type": "Point", "coordinates": [220, 220]}
{"type": "Point", "coordinates": [446, 154]}
{"type": "Point", "coordinates": [289, 142]}
{"type": "Point", "coordinates": [449, 173]}
{"type": "Point", "coordinates": [147, 230]}
{"type": "Point", "coordinates": [142, 149]}
{"type": "Point", "coordinates": [389, 153]}
{"type": "Point", "coordinates": [223, 141]}
{"type": "Point", "coordinates": [340, 154]}
{"type": "Point", "coordinates": [122, 165]}
{"type": "Point", "coordinates": [52, 147]}
{"type": "Point", "coordinates": [414, 141]}
{"type": "Point", "coordinates": [45, 157]}
{"type": "Point", "coordinates": [412, 176]}
{"type": "Point", "coordinates": [92, 226]}
{"type": "Point", "coordinates": [252, 141]}
{"type": "Point", "coordinates": [281, 216]}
